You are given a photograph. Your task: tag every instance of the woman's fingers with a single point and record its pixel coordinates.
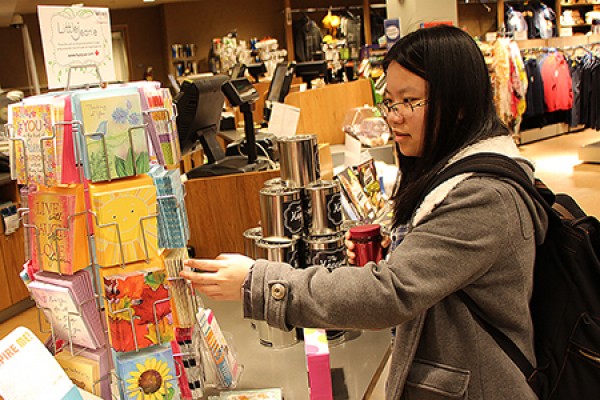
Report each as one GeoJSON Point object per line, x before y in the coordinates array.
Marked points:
{"type": "Point", "coordinates": [204, 264]}
{"type": "Point", "coordinates": [385, 242]}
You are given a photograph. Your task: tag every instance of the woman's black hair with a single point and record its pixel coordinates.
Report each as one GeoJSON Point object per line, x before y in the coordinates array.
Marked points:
{"type": "Point", "coordinates": [460, 109]}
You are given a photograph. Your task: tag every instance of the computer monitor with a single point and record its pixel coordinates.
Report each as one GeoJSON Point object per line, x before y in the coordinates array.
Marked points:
{"type": "Point", "coordinates": [237, 71]}
{"type": "Point", "coordinates": [279, 87]}
{"type": "Point", "coordinates": [310, 70]}
{"type": "Point", "coordinates": [256, 70]}
{"type": "Point", "coordinates": [199, 106]}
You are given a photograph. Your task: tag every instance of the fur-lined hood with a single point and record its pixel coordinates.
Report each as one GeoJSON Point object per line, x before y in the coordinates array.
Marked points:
{"type": "Point", "coordinates": [500, 145]}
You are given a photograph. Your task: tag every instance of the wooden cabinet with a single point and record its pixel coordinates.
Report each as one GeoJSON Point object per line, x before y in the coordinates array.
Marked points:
{"type": "Point", "coordinates": [14, 296]}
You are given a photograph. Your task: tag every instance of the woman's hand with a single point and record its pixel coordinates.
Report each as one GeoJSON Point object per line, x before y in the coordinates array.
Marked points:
{"type": "Point", "coordinates": [221, 278]}
{"type": "Point", "coordinates": [351, 255]}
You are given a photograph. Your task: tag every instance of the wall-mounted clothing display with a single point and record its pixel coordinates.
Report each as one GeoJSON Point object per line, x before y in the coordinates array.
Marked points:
{"type": "Point", "coordinates": [307, 38]}
{"type": "Point", "coordinates": [533, 17]}
{"type": "Point", "coordinates": [586, 83]}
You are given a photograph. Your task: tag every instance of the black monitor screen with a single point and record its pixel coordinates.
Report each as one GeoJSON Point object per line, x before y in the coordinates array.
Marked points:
{"type": "Point", "coordinates": [280, 84]}
{"type": "Point", "coordinates": [237, 71]}
{"type": "Point", "coordinates": [311, 68]}
{"type": "Point", "coordinates": [199, 106]}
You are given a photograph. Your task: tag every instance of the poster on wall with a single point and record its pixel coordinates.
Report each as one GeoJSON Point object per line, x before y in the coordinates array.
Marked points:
{"type": "Point", "coordinates": [77, 41]}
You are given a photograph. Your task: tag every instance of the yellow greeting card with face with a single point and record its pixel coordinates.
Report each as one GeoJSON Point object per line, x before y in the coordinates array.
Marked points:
{"type": "Point", "coordinates": [125, 228]}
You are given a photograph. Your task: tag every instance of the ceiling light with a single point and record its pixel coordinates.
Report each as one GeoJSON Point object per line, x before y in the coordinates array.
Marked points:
{"type": "Point", "coordinates": [148, 1]}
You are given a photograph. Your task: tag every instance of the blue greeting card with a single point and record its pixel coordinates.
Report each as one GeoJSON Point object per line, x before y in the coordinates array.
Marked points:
{"type": "Point", "coordinates": [147, 374]}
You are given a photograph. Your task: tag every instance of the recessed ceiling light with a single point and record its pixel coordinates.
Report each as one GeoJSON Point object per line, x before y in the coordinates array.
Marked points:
{"type": "Point", "coordinates": [148, 1]}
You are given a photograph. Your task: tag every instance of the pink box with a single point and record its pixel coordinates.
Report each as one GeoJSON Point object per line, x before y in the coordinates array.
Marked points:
{"type": "Point", "coordinates": [317, 364]}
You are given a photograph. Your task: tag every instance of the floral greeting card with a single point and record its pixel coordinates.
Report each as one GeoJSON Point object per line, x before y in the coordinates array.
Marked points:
{"type": "Point", "coordinates": [115, 139]}
{"type": "Point", "coordinates": [138, 309]}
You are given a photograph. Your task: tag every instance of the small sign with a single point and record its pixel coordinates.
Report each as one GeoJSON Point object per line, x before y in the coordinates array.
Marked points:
{"type": "Point", "coordinates": [392, 31]}
{"type": "Point", "coordinates": [284, 120]}
{"type": "Point", "coordinates": [73, 39]}
{"type": "Point", "coordinates": [520, 35]}
{"type": "Point", "coordinates": [565, 32]}
{"type": "Point", "coordinates": [491, 36]}
{"type": "Point", "coordinates": [352, 151]}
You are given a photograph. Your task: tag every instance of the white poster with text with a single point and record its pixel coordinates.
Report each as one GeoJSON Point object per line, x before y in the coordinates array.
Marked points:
{"type": "Point", "coordinates": [77, 41]}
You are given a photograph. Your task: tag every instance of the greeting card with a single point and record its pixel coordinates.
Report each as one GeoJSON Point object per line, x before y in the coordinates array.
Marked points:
{"type": "Point", "coordinates": [189, 343]}
{"type": "Point", "coordinates": [148, 374]}
{"type": "Point", "coordinates": [138, 308]}
{"type": "Point", "coordinates": [28, 371]}
{"type": "Point", "coordinates": [173, 228]}
{"type": "Point", "coordinates": [33, 148]}
{"type": "Point", "coordinates": [126, 227]}
{"type": "Point", "coordinates": [182, 295]}
{"type": "Point", "coordinates": [88, 369]}
{"type": "Point", "coordinates": [82, 371]}
{"type": "Point", "coordinates": [222, 357]}
{"type": "Point", "coordinates": [158, 110]}
{"type": "Point", "coordinates": [70, 321]}
{"type": "Point", "coordinates": [114, 136]}
{"type": "Point", "coordinates": [59, 227]}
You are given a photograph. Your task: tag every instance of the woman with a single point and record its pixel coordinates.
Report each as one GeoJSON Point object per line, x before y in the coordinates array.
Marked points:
{"type": "Point", "coordinates": [476, 233]}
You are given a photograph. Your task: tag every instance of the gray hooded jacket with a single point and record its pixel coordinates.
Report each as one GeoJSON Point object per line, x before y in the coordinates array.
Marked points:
{"type": "Point", "coordinates": [475, 233]}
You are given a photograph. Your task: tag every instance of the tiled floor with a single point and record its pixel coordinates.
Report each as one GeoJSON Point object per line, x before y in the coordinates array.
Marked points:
{"type": "Point", "coordinates": [557, 164]}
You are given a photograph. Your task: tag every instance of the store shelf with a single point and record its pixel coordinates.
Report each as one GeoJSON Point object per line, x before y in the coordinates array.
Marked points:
{"type": "Point", "coordinates": [579, 4]}
{"type": "Point", "coordinates": [180, 59]}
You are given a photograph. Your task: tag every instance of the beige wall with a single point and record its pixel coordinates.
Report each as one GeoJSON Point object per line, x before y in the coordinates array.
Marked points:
{"type": "Point", "coordinates": [199, 22]}
{"type": "Point", "coordinates": [414, 12]}
{"type": "Point", "coordinates": [151, 31]}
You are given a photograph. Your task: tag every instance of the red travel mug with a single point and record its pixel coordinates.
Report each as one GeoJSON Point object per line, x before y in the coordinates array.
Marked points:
{"type": "Point", "coordinates": [367, 243]}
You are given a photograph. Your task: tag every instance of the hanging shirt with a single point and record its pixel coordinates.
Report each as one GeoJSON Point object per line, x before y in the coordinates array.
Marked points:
{"type": "Point", "coordinates": [535, 89]}
{"type": "Point", "coordinates": [558, 93]}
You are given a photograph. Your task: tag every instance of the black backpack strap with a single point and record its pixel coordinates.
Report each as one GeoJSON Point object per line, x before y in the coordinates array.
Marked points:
{"type": "Point", "coordinates": [499, 165]}
{"type": "Point", "coordinates": [507, 345]}
{"type": "Point", "coordinates": [502, 166]}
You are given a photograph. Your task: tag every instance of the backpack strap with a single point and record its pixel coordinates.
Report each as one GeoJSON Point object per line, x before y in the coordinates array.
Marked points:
{"type": "Point", "coordinates": [507, 345]}
{"type": "Point", "coordinates": [502, 166]}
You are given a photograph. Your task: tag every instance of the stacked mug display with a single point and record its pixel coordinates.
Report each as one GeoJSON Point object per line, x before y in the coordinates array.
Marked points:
{"type": "Point", "coordinates": [301, 215]}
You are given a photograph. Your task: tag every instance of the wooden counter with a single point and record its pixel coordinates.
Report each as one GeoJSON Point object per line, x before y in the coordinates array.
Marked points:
{"type": "Point", "coordinates": [323, 110]}
{"type": "Point", "coordinates": [221, 208]}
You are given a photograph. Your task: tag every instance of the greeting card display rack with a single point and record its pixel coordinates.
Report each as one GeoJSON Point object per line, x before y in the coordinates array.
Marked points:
{"type": "Point", "coordinates": [79, 140]}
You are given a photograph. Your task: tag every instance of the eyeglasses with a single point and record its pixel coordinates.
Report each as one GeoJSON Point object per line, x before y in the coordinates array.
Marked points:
{"type": "Point", "coordinates": [386, 107]}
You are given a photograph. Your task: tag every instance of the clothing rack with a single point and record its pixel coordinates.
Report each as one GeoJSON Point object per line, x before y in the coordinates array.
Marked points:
{"type": "Point", "coordinates": [333, 8]}
{"type": "Point", "coordinates": [561, 49]}
{"type": "Point", "coordinates": [589, 153]}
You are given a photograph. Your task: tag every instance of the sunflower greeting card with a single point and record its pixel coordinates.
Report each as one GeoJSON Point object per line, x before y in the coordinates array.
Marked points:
{"type": "Point", "coordinates": [148, 374]}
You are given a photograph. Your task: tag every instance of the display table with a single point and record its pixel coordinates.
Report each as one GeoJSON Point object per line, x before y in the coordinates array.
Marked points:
{"type": "Point", "coordinates": [360, 358]}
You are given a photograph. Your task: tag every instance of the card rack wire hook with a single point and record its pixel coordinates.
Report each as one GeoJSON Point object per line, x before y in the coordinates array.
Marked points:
{"type": "Point", "coordinates": [82, 66]}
